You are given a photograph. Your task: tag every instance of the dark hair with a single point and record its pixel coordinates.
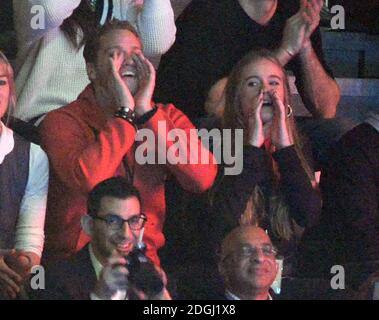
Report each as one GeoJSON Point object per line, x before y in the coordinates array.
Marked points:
{"type": "Point", "coordinates": [92, 45]}
{"type": "Point", "coordinates": [83, 21]}
{"type": "Point", "coordinates": [117, 187]}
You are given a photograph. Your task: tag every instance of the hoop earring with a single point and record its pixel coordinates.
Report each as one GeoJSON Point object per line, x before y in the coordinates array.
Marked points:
{"type": "Point", "coordinates": [289, 111]}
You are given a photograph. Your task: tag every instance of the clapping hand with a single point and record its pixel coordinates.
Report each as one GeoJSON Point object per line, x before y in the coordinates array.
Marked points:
{"type": "Point", "coordinates": [301, 26]}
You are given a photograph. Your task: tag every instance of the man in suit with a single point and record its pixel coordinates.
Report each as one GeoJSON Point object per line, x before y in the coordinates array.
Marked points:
{"type": "Point", "coordinates": [102, 269]}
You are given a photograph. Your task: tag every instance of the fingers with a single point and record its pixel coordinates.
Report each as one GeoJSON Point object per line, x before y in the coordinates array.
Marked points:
{"type": "Point", "coordinates": [256, 105]}
{"type": "Point", "coordinates": [116, 60]}
{"type": "Point", "coordinates": [6, 270]}
{"type": "Point", "coordinates": [115, 273]}
{"type": "Point", "coordinates": [311, 13]}
{"type": "Point", "coordinates": [145, 69]}
{"type": "Point", "coordinates": [279, 107]}
{"type": "Point", "coordinates": [7, 292]}
{"type": "Point", "coordinates": [9, 283]}
{"type": "Point", "coordinates": [6, 252]}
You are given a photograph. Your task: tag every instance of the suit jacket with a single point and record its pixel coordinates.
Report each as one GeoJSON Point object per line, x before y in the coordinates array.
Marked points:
{"type": "Point", "coordinates": [71, 279]}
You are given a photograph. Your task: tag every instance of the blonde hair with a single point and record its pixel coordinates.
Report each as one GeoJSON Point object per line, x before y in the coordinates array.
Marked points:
{"type": "Point", "coordinates": [276, 210]}
{"type": "Point", "coordinates": [12, 90]}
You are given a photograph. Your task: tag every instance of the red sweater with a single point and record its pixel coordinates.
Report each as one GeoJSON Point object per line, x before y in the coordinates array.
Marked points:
{"type": "Point", "coordinates": [85, 148]}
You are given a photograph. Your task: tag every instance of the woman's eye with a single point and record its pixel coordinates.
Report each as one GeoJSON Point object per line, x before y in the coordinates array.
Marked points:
{"type": "Point", "coordinates": [274, 83]}
{"type": "Point", "coordinates": [3, 82]}
{"type": "Point", "coordinates": [253, 83]}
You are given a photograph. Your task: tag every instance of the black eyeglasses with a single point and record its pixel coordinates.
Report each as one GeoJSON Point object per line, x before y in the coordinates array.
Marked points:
{"type": "Point", "coordinates": [117, 223]}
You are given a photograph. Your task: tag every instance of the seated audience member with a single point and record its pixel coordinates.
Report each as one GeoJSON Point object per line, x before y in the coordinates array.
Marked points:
{"type": "Point", "coordinates": [275, 185]}
{"type": "Point", "coordinates": [102, 269]}
{"type": "Point", "coordinates": [248, 268]}
{"type": "Point", "coordinates": [50, 70]}
{"type": "Point", "coordinates": [348, 232]}
{"type": "Point", "coordinates": [247, 264]}
{"type": "Point", "coordinates": [212, 36]}
{"type": "Point", "coordinates": [24, 174]}
{"type": "Point", "coordinates": [95, 138]}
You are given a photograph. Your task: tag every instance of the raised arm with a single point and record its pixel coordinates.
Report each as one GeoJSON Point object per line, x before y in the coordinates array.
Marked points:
{"type": "Point", "coordinates": [178, 144]}
{"type": "Point", "coordinates": [156, 25]}
{"type": "Point", "coordinates": [49, 14]}
{"type": "Point", "coordinates": [318, 89]}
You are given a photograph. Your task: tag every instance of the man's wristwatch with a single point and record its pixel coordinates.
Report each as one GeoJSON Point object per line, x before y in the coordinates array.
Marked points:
{"type": "Point", "coordinates": [126, 114]}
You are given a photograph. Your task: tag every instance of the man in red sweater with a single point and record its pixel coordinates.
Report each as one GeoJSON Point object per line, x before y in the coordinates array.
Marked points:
{"type": "Point", "coordinates": [95, 138]}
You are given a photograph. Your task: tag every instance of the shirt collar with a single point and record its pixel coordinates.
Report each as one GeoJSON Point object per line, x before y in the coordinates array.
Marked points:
{"type": "Point", "coordinates": [232, 296]}
{"type": "Point", "coordinates": [95, 262]}
{"type": "Point", "coordinates": [6, 141]}
{"type": "Point", "coordinates": [373, 120]}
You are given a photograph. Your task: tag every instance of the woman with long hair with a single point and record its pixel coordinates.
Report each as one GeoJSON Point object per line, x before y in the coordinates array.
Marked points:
{"type": "Point", "coordinates": [274, 189]}
{"type": "Point", "coordinates": [50, 68]}
{"type": "Point", "coordinates": [24, 177]}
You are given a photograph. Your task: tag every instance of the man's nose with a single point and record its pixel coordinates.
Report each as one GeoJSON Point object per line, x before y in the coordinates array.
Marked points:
{"type": "Point", "coordinates": [258, 255]}
{"type": "Point", "coordinates": [126, 231]}
{"type": "Point", "coordinates": [127, 59]}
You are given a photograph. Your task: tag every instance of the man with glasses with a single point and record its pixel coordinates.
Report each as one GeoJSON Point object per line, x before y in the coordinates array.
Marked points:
{"type": "Point", "coordinates": [247, 264]}
{"type": "Point", "coordinates": [101, 270]}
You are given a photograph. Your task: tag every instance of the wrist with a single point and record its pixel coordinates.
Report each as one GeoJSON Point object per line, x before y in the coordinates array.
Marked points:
{"type": "Point", "coordinates": [306, 48]}
{"type": "Point", "coordinates": [285, 55]}
{"type": "Point", "coordinates": [283, 144]}
{"type": "Point", "coordinates": [255, 142]}
{"type": "Point", "coordinates": [144, 108]}
{"type": "Point", "coordinates": [127, 114]}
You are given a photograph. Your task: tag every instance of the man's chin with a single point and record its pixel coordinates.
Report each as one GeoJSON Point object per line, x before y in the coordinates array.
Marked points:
{"type": "Point", "coordinates": [124, 250]}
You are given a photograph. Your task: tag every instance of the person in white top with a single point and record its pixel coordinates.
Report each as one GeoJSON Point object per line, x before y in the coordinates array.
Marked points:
{"type": "Point", "coordinates": [50, 68]}
{"type": "Point", "coordinates": [28, 233]}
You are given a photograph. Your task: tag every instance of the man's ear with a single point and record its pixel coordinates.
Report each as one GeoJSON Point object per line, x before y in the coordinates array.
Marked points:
{"type": "Point", "coordinates": [87, 224]}
{"type": "Point", "coordinates": [91, 71]}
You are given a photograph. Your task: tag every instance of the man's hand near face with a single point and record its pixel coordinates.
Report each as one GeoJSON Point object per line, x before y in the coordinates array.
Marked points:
{"type": "Point", "coordinates": [113, 278]}
{"type": "Point", "coordinates": [118, 89]}
{"type": "Point", "coordinates": [146, 83]}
